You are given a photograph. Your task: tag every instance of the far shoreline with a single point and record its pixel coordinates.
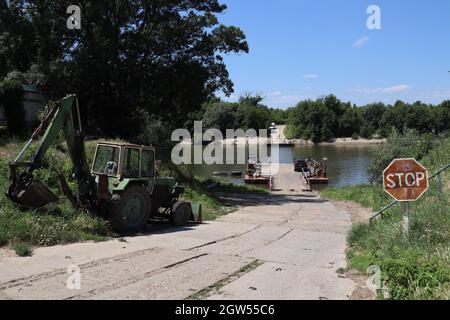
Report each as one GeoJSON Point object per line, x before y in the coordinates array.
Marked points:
{"type": "Point", "coordinates": [296, 142]}
{"type": "Point", "coordinates": [342, 142]}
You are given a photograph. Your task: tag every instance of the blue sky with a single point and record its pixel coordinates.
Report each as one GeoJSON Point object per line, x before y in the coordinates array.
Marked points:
{"type": "Point", "coordinates": [303, 49]}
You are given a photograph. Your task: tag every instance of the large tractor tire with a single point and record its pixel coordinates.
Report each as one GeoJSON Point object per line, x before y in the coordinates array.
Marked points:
{"type": "Point", "coordinates": [181, 212]}
{"type": "Point", "coordinates": [131, 213]}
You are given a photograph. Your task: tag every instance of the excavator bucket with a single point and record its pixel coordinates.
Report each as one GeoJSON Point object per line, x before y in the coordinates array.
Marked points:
{"type": "Point", "coordinates": [32, 194]}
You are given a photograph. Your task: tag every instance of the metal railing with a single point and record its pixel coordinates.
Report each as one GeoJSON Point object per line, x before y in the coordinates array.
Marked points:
{"type": "Point", "coordinates": [440, 188]}
{"type": "Point", "coordinates": [305, 176]}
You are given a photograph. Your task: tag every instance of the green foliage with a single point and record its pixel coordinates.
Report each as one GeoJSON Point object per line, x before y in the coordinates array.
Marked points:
{"type": "Point", "coordinates": [417, 268]}
{"type": "Point", "coordinates": [373, 113]}
{"type": "Point", "coordinates": [11, 97]}
{"type": "Point", "coordinates": [23, 250]}
{"type": "Point", "coordinates": [221, 116]}
{"type": "Point", "coordinates": [130, 60]}
{"type": "Point", "coordinates": [254, 117]}
{"type": "Point", "coordinates": [32, 76]}
{"type": "Point", "coordinates": [328, 117]}
{"type": "Point", "coordinates": [250, 100]}
{"type": "Point", "coordinates": [413, 269]}
{"type": "Point", "coordinates": [413, 276]}
{"type": "Point", "coordinates": [57, 223]}
{"type": "Point", "coordinates": [408, 145]}
{"type": "Point", "coordinates": [350, 123]}
{"type": "Point", "coordinates": [247, 114]}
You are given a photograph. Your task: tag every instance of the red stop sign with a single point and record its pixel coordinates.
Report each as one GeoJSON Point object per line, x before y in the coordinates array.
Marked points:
{"type": "Point", "coordinates": [405, 180]}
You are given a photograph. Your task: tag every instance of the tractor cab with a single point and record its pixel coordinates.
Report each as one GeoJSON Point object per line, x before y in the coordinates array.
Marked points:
{"type": "Point", "coordinates": [123, 164]}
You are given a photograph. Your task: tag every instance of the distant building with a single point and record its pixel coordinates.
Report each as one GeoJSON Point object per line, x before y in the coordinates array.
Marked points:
{"type": "Point", "coordinates": [33, 102]}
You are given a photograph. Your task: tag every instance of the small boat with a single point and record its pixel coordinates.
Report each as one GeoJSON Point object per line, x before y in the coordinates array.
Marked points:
{"type": "Point", "coordinates": [228, 173]}
{"type": "Point", "coordinates": [318, 180]}
{"type": "Point", "coordinates": [254, 174]}
{"type": "Point", "coordinates": [256, 180]}
{"type": "Point", "coordinates": [314, 172]}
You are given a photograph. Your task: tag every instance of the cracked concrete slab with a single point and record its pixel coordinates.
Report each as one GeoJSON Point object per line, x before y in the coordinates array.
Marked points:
{"type": "Point", "coordinates": [299, 239]}
{"type": "Point", "coordinates": [287, 282]}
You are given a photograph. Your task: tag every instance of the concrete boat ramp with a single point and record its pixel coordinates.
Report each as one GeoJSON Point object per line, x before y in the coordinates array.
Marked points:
{"type": "Point", "coordinates": [285, 246]}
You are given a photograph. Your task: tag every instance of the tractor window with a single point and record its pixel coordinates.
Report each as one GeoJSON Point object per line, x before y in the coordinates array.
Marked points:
{"type": "Point", "coordinates": [131, 163]}
{"type": "Point", "coordinates": [148, 164]}
{"type": "Point", "coordinates": [107, 160]}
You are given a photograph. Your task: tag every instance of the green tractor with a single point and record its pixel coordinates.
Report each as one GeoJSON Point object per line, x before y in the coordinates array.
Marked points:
{"type": "Point", "coordinates": [121, 186]}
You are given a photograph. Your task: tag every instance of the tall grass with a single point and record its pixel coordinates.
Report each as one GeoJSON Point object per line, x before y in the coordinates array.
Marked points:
{"type": "Point", "coordinates": [416, 268]}
{"type": "Point", "coordinates": [58, 223]}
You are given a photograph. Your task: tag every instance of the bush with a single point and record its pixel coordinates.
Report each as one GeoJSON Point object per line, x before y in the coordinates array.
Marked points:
{"type": "Point", "coordinates": [11, 97]}
{"type": "Point", "coordinates": [23, 250]}
{"type": "Point", "coordinates": [408, 145]}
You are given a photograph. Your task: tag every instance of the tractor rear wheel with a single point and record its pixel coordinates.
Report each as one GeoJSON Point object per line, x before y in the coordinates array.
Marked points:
{"type": "Point", "coordinates": [130, 214]}
{"type": "Point", "coordinates": [181, 212]}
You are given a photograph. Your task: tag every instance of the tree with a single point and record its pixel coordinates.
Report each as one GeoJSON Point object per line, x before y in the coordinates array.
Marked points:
{"type": "Point", "coordinates": [221, 116]}
{"type": "Point", "coordinates": [325, 133]}
{"type": "Point", "coordinates": [254, 117]}
{"type": "Point", "coordinates": [250, 100]}
{"type": "Point", "coordinates": [328, 117]}
{"type": "Point", "coordinates": [350, 122]}
{"type": "Point", "coordinates": [372, 113]}
{"type": "Point", "coordinates": [442, 116]}
{"type": "Point", "coordinates": [131, 59]}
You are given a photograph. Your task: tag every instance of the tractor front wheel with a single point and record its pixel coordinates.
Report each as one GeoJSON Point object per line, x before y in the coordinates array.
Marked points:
{"type": "Point", "coordinates": [130, 214]}
{"type": "Point", "coordinates": [181, 212]}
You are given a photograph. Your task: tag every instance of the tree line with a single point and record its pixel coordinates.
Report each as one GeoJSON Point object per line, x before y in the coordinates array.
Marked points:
{"type": "Point", "coordinates": [247, 113]}
{"type": "Point", "coordinates": [328, 117]}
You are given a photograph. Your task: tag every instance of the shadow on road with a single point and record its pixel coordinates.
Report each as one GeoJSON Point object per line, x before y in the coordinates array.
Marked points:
{"type": "Point", "coordinates": [164, 226]}
{"type": "Point", "coordinates": [273, 199]}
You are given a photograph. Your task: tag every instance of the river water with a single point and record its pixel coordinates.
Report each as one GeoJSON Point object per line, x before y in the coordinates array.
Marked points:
{"type": "Point", "coordinates": [347, 164]}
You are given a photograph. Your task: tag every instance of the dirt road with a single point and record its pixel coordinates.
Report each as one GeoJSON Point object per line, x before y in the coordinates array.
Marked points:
{"type": "Point", "coordinates": [285, 246]}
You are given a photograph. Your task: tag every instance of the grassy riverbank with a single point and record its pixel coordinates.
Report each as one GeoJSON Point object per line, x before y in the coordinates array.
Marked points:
{"type": "Point", "coordinates": [59, 223]}
{"type": "Point", "coordinates": [208, 193]}
{"type": "Point", "coordinates": [417, 268]}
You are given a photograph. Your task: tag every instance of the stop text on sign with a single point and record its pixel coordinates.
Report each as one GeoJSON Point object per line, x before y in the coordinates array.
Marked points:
{"type": "Point", "coordinates": [405, 180]}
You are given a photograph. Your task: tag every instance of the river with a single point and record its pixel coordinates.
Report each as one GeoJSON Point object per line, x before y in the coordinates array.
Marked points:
{"type": "Point", "coordinates": [347, 164]}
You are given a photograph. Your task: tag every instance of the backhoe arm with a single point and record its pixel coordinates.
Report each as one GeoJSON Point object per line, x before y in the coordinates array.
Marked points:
{"type": "Point", "coordinates": [62, 117]}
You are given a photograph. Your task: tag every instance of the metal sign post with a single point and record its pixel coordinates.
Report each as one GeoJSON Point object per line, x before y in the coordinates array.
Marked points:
{"type": "Point", "coordinates": [405, 222]}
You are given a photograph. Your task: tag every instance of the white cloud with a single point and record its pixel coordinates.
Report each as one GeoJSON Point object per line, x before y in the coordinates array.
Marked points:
{"type": "Point", "coordinates": [279, 99]}
{"type": "Point", "coordinates": [394, 89]}
{"type": "Point", "coordinates": [361, 42]}
{"type": "Point", "coordinates": [311, 76]}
